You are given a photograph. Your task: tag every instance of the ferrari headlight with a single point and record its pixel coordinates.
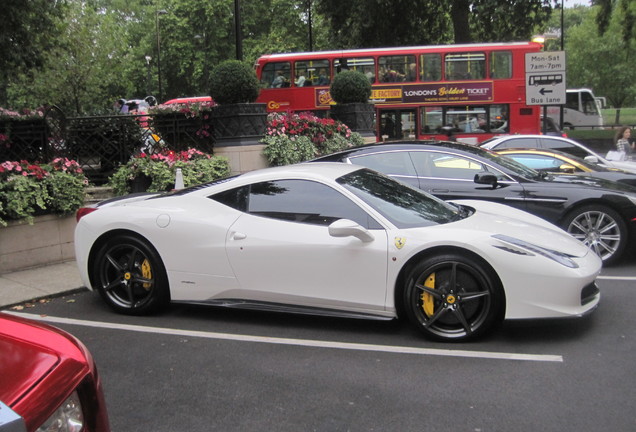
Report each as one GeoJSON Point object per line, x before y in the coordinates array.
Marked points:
{"type": "Point", "coordinates": [67, 418]}
{"type": "Point", "coordinates": [525, 248]}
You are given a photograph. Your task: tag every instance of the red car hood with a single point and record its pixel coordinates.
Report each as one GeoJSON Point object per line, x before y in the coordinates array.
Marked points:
{"type": "Point", "coordinates": [24, 365]}
{"type": "Point", "coordinates": [29, 351]}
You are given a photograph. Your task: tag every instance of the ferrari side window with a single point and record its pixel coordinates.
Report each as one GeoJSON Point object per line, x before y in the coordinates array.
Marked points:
{"type": "Point", "coordinates": [235, 198]}
{"type": "Point", "coordinates": [305, 202]}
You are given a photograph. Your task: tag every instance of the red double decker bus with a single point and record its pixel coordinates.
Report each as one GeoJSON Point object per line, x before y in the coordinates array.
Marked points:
{"type": "Point", "coordinates": [476, 89]}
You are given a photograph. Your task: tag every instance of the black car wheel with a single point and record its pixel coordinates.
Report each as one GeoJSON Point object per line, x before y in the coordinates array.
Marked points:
{"type": "Point", "coordinates": [453, 297]}
{"type": "Point", "coordinates": [130, 276]}
{"type": "Point", "coordinates": [600, 228]}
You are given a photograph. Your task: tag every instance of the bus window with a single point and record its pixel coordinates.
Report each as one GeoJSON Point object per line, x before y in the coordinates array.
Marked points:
{"type": "Point", "coordinates": [276, 75]}
{"type": "Point", "coordinates": [312, 72]}
{"type": "Point", "coordinates": [465, 66]}
{"type": "Point", "coordinates": [501, 65]}
{"type": "Point", "coordinates": [468, 119]}
{"type": "Point", "coordinates": [430, 67]}
{"type": "Point", "coordinates": [397, 124]}
{"type": "Point", "coordinates": [431, 119]}
{"type": "Point", "coordinates": [366, 65]}
{"type": "Point", "coordinates": [499, 119]}
{"type": "Point", "coordinates": [397, 68]}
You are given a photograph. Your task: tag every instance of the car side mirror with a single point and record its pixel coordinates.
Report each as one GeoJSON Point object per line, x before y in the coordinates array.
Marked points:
{"type": "Point", "coordinates": [591, 159]}
{"type": "Point", "coordinates": [348, 228]}
{"type": "Point", "coordinates": [486, 178]}
{"type": "Point", "coordinates": [567, 168]}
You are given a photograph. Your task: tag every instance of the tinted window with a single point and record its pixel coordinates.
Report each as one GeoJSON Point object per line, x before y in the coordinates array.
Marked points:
{"type": "Point", "coordinates": [296, 201]}
{"type": "Point", "coordinates": [446, 165]}
{"type": "Point", "coordinates": [235, 198]}
{"type": "Point", "coordinates": [391, 163]}
{"type": "Point", "coordinates": [538, 162]}
{"type": "Point", "coordinates": [450, 166]}
{"type": "Point", "coordinates": [404, 206]}
{"type": "Point", "coordinates": [519, 143]}
{"type": "Point", "coordinates": [565, 147]}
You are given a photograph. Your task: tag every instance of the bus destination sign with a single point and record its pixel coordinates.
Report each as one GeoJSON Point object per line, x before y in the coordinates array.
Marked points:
{"type": "Point", "coordinates": [545, 78]}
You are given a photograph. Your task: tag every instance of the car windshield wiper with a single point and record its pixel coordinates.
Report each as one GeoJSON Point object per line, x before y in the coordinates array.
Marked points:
{"type": "Point", "coordinates": [462, 212]}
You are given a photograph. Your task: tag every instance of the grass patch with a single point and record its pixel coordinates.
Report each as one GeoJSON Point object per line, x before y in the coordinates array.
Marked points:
{"type": "Point", "coordinates": [627, 116]}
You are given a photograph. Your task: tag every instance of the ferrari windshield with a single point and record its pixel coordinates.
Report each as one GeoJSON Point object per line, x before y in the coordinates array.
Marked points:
{"type": "Point", "coordinates": [403, 206]}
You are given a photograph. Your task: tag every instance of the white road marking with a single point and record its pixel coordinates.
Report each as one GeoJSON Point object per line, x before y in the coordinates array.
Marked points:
{"type": "Point", "coordinates": [622, 278]}
{"type": "Point", "coordinates": [300, 342]}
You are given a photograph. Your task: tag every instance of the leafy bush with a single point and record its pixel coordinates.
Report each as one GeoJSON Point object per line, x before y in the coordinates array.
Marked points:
{"type": "Point", "coordinates": [350, 87]}
{"type": "Point", "coordinates": [292, 138]}
{"type": "Point", "coordinates": [161, 169]}
{"type": "Point", "coordinates": [285, 149]}
{"type": "Point", "coordinates": [28, 189]}
{"type": "Point", "coordinates": [233, 82]}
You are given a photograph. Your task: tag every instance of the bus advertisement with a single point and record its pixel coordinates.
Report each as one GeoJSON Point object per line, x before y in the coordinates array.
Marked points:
{"type": "Point", "coordinates": [476, 89]}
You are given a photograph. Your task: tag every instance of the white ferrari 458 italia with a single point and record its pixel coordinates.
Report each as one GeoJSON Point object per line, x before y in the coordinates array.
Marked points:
{"type": "Point", "coordinates": [334, 239]}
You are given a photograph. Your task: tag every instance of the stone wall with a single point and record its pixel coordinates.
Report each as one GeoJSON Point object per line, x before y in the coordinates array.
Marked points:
{"type": "Point", "coordinates": [48, 240]}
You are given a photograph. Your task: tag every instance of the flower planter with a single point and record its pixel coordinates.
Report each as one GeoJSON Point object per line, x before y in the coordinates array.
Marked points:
{"type": "Point", "coordinates": [360, 117]}
{"type": "Point", "coordinates": [239, 124]}
{"type": "Point", "coordinates": [48, 240]}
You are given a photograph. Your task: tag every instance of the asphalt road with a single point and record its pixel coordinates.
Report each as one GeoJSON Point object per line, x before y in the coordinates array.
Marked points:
{"type": "Point", "coordinates": [208, 369]}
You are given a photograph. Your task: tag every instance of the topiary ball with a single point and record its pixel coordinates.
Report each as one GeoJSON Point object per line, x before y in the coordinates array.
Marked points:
{"type": "Point", "coordinates": [233, 82]}
{"type": "Point", "coordinates": [350, 87]}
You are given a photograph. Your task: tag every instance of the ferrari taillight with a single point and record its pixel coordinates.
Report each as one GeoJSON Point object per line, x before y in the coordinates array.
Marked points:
{"type": "Point", "coordinates": [83, 212]}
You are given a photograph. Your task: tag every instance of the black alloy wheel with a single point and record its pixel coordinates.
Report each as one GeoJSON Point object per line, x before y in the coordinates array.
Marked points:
{"type": "Point", "coordinates": [130, 276]}
{"type": "Point", "coordinates": [453, 297]}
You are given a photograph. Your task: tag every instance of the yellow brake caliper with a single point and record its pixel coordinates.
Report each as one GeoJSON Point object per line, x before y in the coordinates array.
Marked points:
{"type": "Point", "coordinates": [427, 299]}
{"type": "Point", "coordinates": [146, 272]}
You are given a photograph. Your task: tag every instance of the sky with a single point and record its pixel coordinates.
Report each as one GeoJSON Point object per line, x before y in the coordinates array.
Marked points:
{"type": "Point", "coordinates": [570, 3]}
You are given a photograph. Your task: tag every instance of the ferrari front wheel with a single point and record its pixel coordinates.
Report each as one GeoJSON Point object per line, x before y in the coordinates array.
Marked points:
{"type": "Point", "coordinates": [130, 276]}
{"type": "Point", "coordinates": [452, 297]}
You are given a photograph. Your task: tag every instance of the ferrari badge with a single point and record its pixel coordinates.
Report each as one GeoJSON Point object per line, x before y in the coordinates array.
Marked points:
{"type": "Point", "coordinates": [400, 242]}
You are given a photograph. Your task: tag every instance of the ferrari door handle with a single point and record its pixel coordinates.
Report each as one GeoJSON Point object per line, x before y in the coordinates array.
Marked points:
{"type": "Point", "coordinates": [239, 236]}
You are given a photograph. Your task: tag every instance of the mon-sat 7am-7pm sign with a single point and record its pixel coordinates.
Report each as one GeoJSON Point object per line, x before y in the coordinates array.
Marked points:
{"type": "Point", "coordinates": [545, 78]}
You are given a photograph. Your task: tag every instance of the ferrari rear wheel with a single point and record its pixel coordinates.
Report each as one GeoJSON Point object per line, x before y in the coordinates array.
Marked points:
{"type": "Point", "coordinates": [130, 276]}
{"type": "Point", "coordinates": [601, 229]}
{"type": "Point", "coordinates": [452, 297]}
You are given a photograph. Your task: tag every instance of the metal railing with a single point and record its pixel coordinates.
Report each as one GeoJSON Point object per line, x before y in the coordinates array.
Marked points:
{"type": "Point", "coordinates": [100, 143]}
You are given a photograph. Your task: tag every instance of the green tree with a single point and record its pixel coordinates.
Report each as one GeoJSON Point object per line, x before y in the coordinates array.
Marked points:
{"type": "Point", "coordinates": [359, 23]}
{"type": "Point", "coordinates": [603, 63]}
{"type": "Point", "coordinates": [501, 21]}
{"type": "Point", "coordinates": [624, 11]}
{"type": "Point", "coordinates": [85, 68]}
{"type": "Point", "coordinates": [28, 30]}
